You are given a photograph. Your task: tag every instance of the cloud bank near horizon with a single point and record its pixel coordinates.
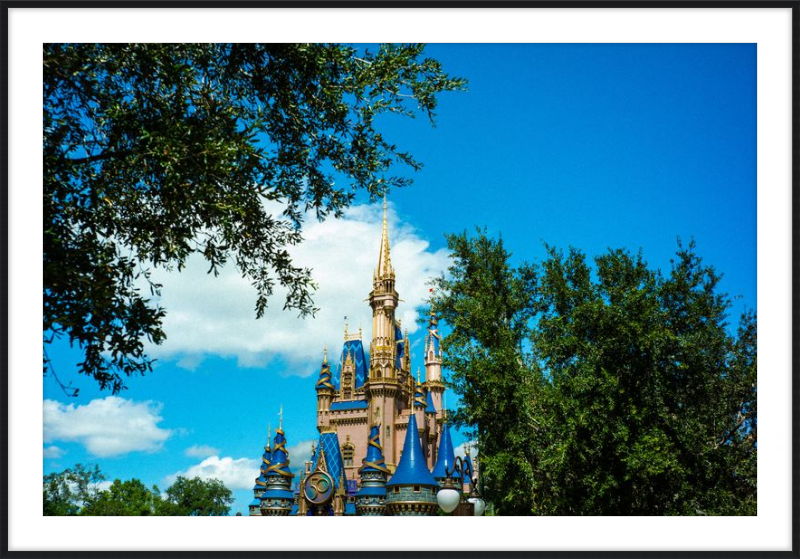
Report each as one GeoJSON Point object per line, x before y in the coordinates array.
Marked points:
{"type": "Point", "coordinates": [214, 316]}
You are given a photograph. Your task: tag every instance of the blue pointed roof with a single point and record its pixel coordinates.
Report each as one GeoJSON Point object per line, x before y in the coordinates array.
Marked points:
{"type": "Point", "coordinates": [419, 397]}
{"type": "Point", "coordinates": [280, 458]}
{"type": "Point", "coordinates": [412, 469]}
{"type": "Point", "coordinates": [329, 442]}
{"type": "Point", "coordinates": [324, 380]}
{"type": "Point", "coordinates": [430, 408]}
{"type": "Point", "coordinates": [356, 348]}
{"type": "Point", "coordinates": [374, 461]}
{"type": "Point", "coordinates": [446, 457]}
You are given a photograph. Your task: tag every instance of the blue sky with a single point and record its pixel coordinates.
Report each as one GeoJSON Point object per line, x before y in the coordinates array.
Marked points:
{"type": "Point", "coordinates": [596, 146]}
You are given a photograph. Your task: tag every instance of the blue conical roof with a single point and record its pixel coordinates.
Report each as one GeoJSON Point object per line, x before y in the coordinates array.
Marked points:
{"type": "Point", "coordinates": [430, 407]}
{"type": "Point", "coordinates": [280, 458]}
{"type": "Point", "coordinates": [412, 469]}
{"type": "Point", "coordinates": [324, 380]}
{"type": "Point", "coordinates": [446, 457]}
{"type": "Point", "coordinates": [419, 397]}
{"type": "Point", "coordinates": [374, 461]}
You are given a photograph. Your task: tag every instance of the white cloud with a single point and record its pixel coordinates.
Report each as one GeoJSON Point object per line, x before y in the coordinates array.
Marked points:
{"type": "Point", "coordinates": [52, 452]}
{"type": "Point", "coordinates": [299, 453]}
{"type": "Point", "coordinates": [461, 450]}
{"type": "Point", "coordinates": [215, 316]}
{"type": "Point", "coordinates": [239, 473]}
{"type": "Point", "coordinates": [201, 451]}
{"type": "Point", "coordinates": [110, 426]}
{"type": "Point", "coordinates": [103, 485]}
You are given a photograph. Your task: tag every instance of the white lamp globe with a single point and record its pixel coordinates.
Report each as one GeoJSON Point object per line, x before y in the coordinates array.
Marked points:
{"type": "Point", "coordinates": [448, 499]}
{"type": "Point", "coordinates": [479, 505]}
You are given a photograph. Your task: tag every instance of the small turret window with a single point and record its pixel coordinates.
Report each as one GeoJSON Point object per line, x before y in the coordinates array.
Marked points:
{"type": "Point", "coordinates": [416, 489]}
{"type": "Point", "coordinates": [347, 455]}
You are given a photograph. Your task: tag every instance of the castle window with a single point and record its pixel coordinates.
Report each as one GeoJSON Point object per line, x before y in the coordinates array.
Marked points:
{"type": "Point", "coordinates": [347, 455]}
{"type": "Point", "coordinates": [416, 489]}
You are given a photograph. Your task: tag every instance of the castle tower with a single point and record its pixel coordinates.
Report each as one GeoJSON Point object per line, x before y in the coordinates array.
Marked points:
{"type": "Point", "coordinates": [411, 491]}
{"type": "Point", "coordinates": [325, 393]}
{"type": "Point", "coordinates": [432, 429]}
{"type": "Point", "coordinates": [261, 480]}
{"type": "Point", "coordinates": [433, 362]}
{"type": "Point", "coordinates": [278, 498]}
{"type": "Point", "coordinates": [446, 457]}
{"type": "Point", "coordinates": [371, 497]}
{"type": "Point", "coordinates": [383, 387]}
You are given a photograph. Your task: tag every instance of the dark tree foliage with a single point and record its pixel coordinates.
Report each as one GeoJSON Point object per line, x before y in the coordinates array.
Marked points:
{"type": "Point", "coordinates": [66, 493]}
{"type": "Point", "coordinates": [631, 395]}
{"type": "Point", "coordinates": [153, 152]}
{"type": "Point", "coordinates": [124, 498]}
{"type": "Point", "coordinates": [196, 497]}
{"type": "Point", "coordinates": [488, 307]}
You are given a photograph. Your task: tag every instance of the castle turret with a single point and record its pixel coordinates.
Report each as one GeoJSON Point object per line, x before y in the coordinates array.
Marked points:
{"type": "Point", "coordinates": [261, 480]}
{"type": "Point", "coordinates": [411, 491]}
{"type": "Point", "coordinates": [325, 392]}
{"type": "Point", "coordinates": [433, 361]}
{"type": "Point", "coordinates": [278, 497]}
{"type": "Point", "coordinates": [371, 497]}
{"type": "Point", "coordinates": [446, 457]}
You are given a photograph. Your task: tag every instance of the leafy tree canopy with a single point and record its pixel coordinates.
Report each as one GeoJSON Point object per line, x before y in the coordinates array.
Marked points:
{"type": "Point", "coordinates": [75, 492]}
{"type": "Point", "coordinates": [196, 497]}
{"type": "Point", "coordinates": [605, 389]}
{"type": "Point", "coordinates": [65, 493]}
{"type": "Point", "coordinates": [153, 152]}
{"type": "Point", "coordinates": [124, 498]}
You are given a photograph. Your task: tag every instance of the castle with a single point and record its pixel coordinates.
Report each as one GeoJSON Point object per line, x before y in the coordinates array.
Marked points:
{"type": "Point", "coordinates": [382, 430]}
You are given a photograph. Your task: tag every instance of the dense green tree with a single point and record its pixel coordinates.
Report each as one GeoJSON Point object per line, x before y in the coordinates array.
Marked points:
{"type": "Point", "coordinates": [65, 493]}
{"type": "Point", "coordinates": [153, 152]}
{"type": "Point", "coordinates": [488, 306]}
{"type": "Point", "coordinates": [196, 497]}
{"type": "Point", "coordinates": [124, 498]}
{"type": "Point", "coordinates": [632, 393]}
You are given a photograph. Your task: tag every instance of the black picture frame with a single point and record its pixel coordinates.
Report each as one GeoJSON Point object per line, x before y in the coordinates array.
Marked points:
{"type": "Point", "coordinates": [418, 5]}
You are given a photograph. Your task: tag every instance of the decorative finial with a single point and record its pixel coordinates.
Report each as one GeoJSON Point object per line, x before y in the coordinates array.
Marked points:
{"type": "Point", "coordinates": [280, 419]}
{"type": "Point", "coordinates": [325, 353]}
{"type": "Point", "coordinates": [418, 382]}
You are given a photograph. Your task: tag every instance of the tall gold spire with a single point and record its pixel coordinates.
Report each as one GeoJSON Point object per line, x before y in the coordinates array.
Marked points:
{"type": "Point", "coordinates": [384, 259]}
